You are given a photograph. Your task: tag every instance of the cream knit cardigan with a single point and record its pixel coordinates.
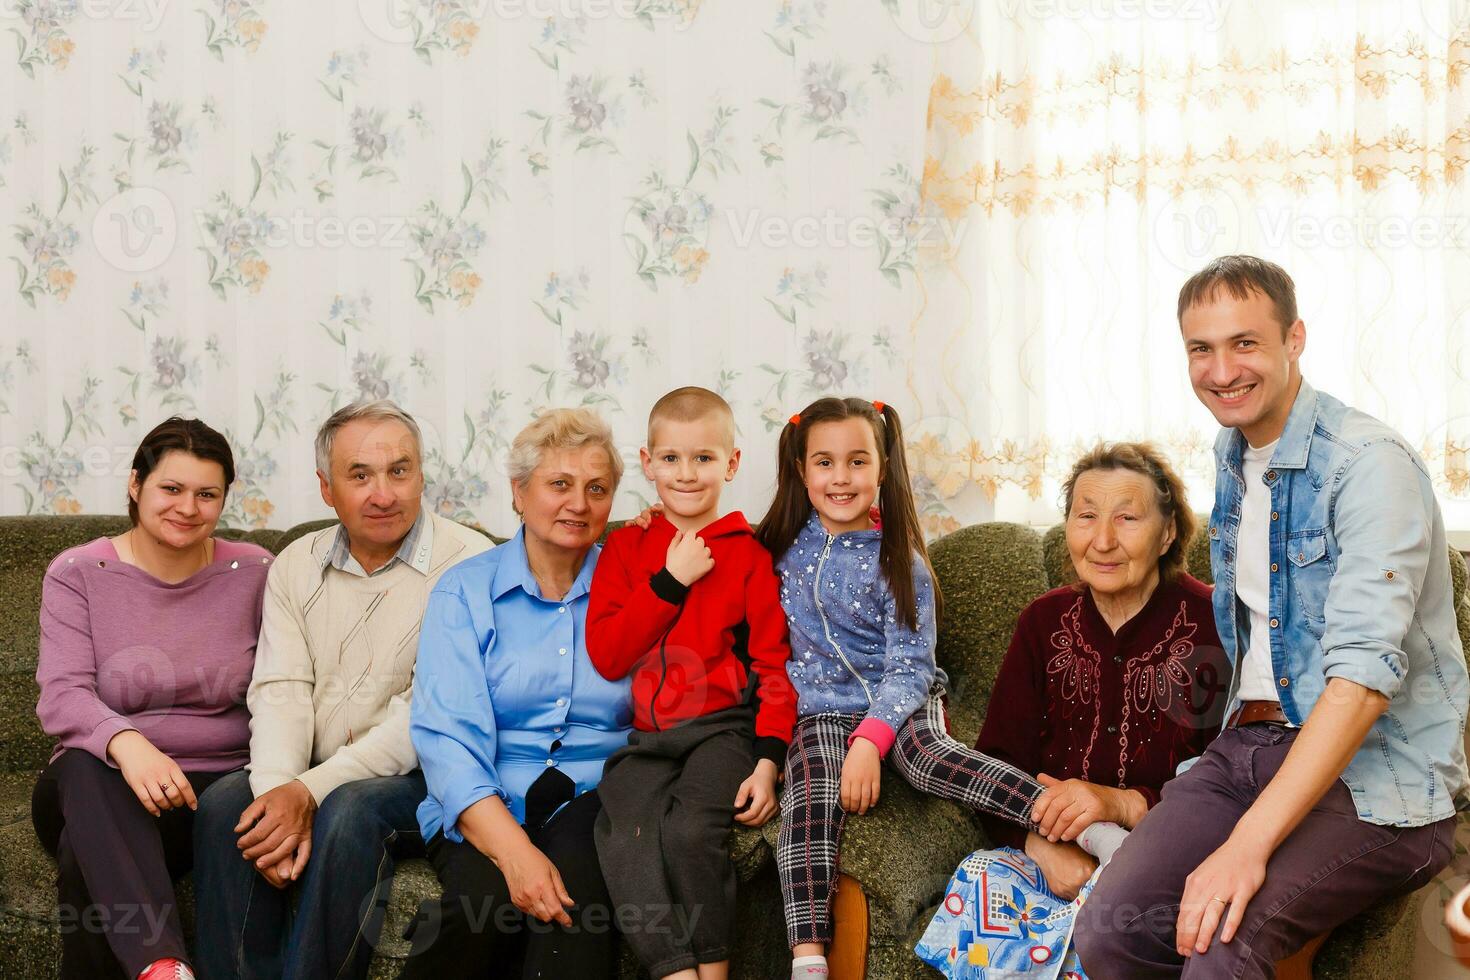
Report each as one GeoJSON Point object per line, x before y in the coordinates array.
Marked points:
{"type": "Point", "coordinates": [329, 698]}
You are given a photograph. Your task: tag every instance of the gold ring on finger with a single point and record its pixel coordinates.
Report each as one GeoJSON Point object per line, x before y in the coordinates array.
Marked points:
{"type": "Point", "coordinates": [1217, 898]}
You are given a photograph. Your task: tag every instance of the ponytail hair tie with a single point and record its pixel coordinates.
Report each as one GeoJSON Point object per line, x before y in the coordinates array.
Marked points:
{"type": "Point", "coordinates": [878, 407]}
{"type": "Point", "coordinates": [795, 419]}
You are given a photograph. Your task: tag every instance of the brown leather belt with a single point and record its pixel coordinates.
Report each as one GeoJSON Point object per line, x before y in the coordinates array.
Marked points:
{"type": "Point", "coordinates": [1251, 712]}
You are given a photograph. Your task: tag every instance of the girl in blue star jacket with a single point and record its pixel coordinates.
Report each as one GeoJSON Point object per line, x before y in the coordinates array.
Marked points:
{"type": "Point", "coordinates": [861, 603]}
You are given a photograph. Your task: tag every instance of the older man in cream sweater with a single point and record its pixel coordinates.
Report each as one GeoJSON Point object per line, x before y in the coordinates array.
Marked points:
{"type": "Point", "coordinates": [329, 799]}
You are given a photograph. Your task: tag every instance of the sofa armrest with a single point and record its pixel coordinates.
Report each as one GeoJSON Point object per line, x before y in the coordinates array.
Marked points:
{"type": "Point", "coordinates": [1376, 944]}
{"type": "Point", "coordinates": [750, 851]}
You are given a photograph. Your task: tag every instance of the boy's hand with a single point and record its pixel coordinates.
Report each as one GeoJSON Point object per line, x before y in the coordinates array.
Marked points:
{"type": "Point", "coordinates": [688, 560]}
{"type": "Point", "coordinates": [645, 517]}
{"type": "Point", "coordinates": [759, 790]}
{"type": "Point", "coordinates": [861, 774]}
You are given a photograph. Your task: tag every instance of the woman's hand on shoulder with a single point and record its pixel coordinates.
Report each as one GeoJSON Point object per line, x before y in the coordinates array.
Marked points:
{"type": "Point", "coordinates": [1065, 866]}
{"type": "Point", "coordinates": [645, 518]}
{"type": "Point", "coordinates": [154, 778]}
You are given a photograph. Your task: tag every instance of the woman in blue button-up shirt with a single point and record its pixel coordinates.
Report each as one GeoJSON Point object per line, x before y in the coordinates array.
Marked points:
{"type": "Point", "coordinates": [512, 725]}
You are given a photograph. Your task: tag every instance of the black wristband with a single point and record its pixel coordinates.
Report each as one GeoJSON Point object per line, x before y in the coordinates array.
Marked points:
{"type": "Point", "coordinates": [668, 588]}
{"type": "Point", "coordinates": [770, 747]}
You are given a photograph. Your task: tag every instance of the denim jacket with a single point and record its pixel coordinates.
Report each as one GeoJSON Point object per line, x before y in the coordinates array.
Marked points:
{"type": "Point", "coordinates": [1359, 589]}
{"type": "Point", "coordinates": [849, 651]}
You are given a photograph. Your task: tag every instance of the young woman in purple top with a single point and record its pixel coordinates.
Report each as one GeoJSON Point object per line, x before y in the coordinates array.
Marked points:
{"type": "Point", "coordinates": [147, 644]}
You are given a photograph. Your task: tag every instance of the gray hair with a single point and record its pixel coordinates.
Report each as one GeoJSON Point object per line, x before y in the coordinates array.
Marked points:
{"type": "Point", "coordinates": [561, 428]}
{"type": "Point", "coordinates": [381, 410]}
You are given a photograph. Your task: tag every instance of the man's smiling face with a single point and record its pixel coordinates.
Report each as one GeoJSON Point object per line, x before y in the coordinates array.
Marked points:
{"type": "Point", "coordinates": [1242, 363]}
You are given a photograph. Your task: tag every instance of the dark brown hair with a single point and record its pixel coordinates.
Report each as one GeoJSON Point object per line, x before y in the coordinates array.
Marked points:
{"type": "Point", "coordinates": [185, 436]}
{"type": "Point", "coordinates": [1241, 275]}
{"type": "Point", "coordinates": [1145, 459]}
{"type": "Point", "coordinates": [792, 508]}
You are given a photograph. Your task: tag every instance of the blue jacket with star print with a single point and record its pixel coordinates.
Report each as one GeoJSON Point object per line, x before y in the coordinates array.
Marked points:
{"type": "Point", "coordinates": [850, 652]}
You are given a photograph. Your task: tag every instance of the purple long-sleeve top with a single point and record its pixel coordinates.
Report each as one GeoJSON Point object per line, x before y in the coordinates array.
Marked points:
{"type": "Point", "coordinates": [123, 650]}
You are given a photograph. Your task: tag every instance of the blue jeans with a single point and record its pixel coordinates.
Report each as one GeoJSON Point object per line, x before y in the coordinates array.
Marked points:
{"type": "Point", "coordinates": [246, 928]}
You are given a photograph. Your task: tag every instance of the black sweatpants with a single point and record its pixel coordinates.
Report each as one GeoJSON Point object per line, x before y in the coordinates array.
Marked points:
{"type": "Point", "coordinates": [116, 864]}
{"type": "Point", "coordinates": [668, 802]}
{"type": "Point", "coordinates": [474, 930]}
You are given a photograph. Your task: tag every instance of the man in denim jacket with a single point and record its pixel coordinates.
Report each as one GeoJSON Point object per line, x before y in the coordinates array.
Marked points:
{"type": "Point", "coordinates": [1335, 781]}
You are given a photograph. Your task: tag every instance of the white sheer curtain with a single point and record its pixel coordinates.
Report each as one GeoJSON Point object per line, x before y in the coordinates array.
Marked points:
{"type": "Point", "coordinates": [1091, 160]}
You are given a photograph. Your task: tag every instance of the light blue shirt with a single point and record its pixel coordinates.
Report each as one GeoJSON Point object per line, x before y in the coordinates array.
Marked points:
{"type": "Point", "coordinates": [504, 689]}
{"type": "Point", "coordinates": [1359, 589]}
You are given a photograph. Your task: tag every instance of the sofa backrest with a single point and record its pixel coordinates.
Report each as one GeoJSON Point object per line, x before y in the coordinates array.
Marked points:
{"type": "Point", "coordinates": [988, 573]}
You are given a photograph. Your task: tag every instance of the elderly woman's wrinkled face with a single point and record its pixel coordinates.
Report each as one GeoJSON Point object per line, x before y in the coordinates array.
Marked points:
{"type": "Point", "coordinates": [567, 498]}
{"type": "Point", "coordinates": [1116, 532]}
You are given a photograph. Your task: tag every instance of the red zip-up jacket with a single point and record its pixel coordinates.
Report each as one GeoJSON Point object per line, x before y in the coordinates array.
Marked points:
{"type": "Point", "coordinates": [690, 649]}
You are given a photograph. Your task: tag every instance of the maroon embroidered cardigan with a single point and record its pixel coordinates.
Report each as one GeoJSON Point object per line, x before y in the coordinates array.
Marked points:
{"type": "Point", "coordinates": [1077, 702]}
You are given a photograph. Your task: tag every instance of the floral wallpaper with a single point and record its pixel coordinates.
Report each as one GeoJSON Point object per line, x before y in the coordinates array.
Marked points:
{"type": "Point", "coordinates": [255, 211]}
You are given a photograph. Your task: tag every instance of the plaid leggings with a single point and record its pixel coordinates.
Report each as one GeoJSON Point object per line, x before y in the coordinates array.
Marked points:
{"type": "Point", "coordinates": [928, 759]}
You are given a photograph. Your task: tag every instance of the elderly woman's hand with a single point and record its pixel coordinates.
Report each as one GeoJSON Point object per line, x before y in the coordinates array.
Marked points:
{"type": "Point", "coordinates": [1070, 806]}
{"type": "Point", "coordinates": [1066, 867]}
{"type": "Point", "coordinates": [535, 885]}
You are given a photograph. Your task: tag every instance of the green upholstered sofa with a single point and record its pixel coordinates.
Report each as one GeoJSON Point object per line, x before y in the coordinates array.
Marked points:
{"type": "Point", "coordinates": [901, 854]}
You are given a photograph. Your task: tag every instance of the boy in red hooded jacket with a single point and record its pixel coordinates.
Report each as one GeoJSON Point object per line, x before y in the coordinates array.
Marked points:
{"type": "Point", "coordinates": [690, 607]}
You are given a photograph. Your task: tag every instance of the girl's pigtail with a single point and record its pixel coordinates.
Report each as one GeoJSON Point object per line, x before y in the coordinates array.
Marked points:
{"type": "Point", "coordinates": [902, 536]}
{"type": "Point", "coordinates": [790, 508]}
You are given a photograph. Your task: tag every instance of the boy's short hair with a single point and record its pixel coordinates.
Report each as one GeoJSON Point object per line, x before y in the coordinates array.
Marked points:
{"type": "Point", "coordinates": [693, 404]}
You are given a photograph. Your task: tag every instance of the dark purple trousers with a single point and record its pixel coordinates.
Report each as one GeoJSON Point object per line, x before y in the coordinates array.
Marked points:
{"type": "Point", "coordinates": [1332, 867]}
{"type": "Point", "coordinates": [116, 865]}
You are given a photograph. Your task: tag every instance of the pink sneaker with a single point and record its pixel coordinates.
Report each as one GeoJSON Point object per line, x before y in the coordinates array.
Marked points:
{"type": "Point", "coordinates": [169, 969]}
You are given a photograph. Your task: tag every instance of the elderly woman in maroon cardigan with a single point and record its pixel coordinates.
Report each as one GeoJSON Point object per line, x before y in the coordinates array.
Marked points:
{"type": "Point", "coordinates": [1111, 682]}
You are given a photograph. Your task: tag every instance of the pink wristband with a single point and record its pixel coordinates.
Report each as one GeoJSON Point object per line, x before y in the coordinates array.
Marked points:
{"type": "Point", "coordinates": [877, 732]}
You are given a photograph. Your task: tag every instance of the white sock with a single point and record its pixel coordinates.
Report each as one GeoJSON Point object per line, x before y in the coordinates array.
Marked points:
{"type": "Point", "coordinates": [1101, 839]}
{"type": "Point", "coordinates": [809, 968]}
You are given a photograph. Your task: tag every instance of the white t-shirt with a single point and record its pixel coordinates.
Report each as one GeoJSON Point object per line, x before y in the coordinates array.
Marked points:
{"type": "Point", "coordinates": [1253, 577]}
